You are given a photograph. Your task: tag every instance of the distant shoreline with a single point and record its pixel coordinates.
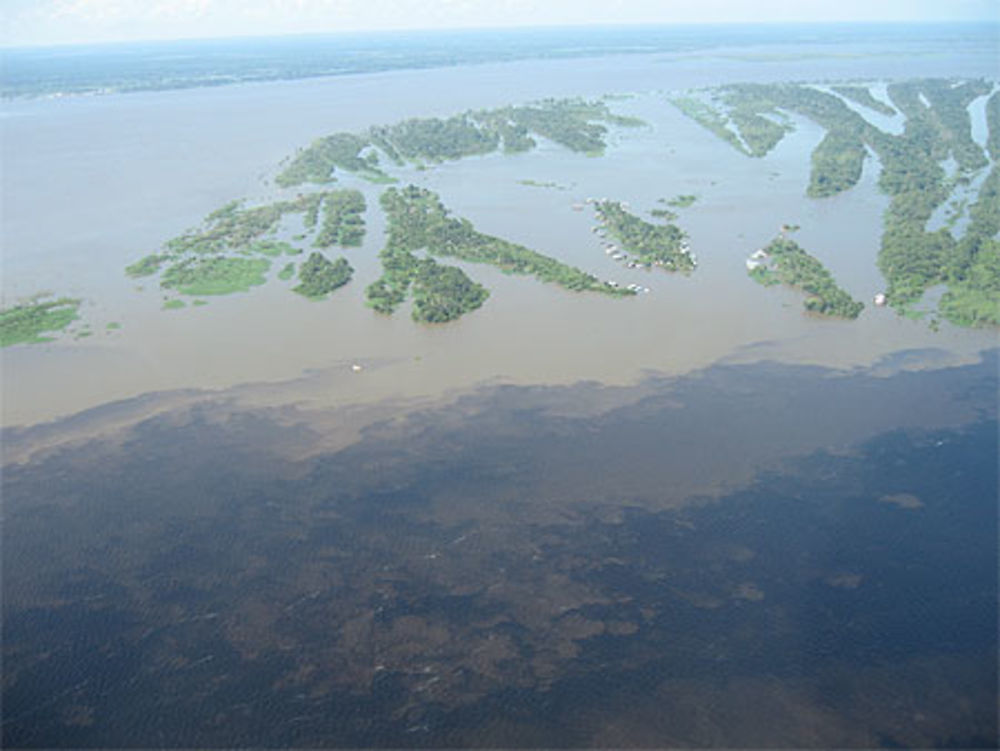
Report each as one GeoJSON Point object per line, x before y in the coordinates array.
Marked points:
{"type": "Point", "coordinates": [58, 71]}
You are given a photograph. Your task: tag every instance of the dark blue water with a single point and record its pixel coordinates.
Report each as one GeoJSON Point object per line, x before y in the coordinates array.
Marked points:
{"type": "Point", "coordinates": [186, 585]}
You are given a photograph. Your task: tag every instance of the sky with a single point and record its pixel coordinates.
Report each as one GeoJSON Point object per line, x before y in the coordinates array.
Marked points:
{"type": "Point", "coordinates": [34, 22]}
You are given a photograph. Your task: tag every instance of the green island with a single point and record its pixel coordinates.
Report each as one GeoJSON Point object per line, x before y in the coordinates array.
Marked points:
{"type": "Point", "coordinates": [837, 163]}
{"type": "Point", "coordinates": [232, 250]}
{"type": "Point", "coordinates": [576, 124]}
{"type": "Point", "coordinates": [316, 163]}
{"type": "Point", "coordinates": [681, 201]}
{"type": "Point", "coordinates": [661, 245]}
{"type": "Point", "coordinates": [29, 322]}
{"type": "Point", "coordinates": [783, 261]}
{"type": "Point", "coordinates": [342, 221]}
{"type": "Point", "coordinates": [319, 276]}
{"type": "Point", "coordinates": [759, 125]}
{"type": "Point", "coordinates": [538, 184]}
{"type": "Point", "coordinates": [937, 127]}
{"type": "Point", "coordinates": [973, 295]}
{"type": "Point", "coordinates": [417, 220]}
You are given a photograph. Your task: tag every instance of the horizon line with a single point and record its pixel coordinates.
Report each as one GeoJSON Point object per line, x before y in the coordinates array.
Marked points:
{"type": "Point", "coordinates": [11, 46]}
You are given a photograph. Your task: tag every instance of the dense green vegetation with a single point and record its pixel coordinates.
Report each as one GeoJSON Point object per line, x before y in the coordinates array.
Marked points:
{"type": "Point", "coordinates": [993, 125]}
{"type": "Point", "coordinates": [912, 258]}
{"type": "Point", "coordinates": [661, 245]}
{"type": "Point", "coordinates": [234, 228]}
{"type": "Point", "coordinates": [287, 272]}
{"type": "Point", "coordinates": [709, 118]}
{"type": "Point", "coordinates": [28, 322]}
{"type": "Point", "coordinates": [944, 127]}
{"type": "Point", "coordinates": [342, 220]}
{"type": "Point", "coordinates": [789, 264]}
{"type": "Point", "coordinates": [317, 162]}
{"type": "Point", "coordinates": [975, 299]}
{"type": "Point", "coordinates": [863, 96]}
{"type": "Point", "coordinates": [832, 171]}
{"type": "Point", "coordinates": [836, 164]}
{"type": "Point", "coordinates": [937, 127]}
{"type": "Point", "coordinates": [973, 296]}
{"type": "Point", "coordinates": [576, 124]}
{"type": "Point", "coordinates": [573, 123]}
{"type": "Point", "coordinates": [215, 275]}
{"type": "Point", "coordinates": [759, 133]}
{"type": "Point", "coordinates": [442, 293]}
{"type": "Point", "coordinates": [758, 123]}
{"type": "Point", "coordinates": [319, 276]}
{"type": "Point", "coordinates": [436, 140]}
{"type": "Point", "coordinates": [418, 221]}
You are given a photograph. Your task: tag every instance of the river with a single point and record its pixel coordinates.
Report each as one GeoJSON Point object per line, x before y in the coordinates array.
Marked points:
{"type": "Point", "coordinates": [92, 183]}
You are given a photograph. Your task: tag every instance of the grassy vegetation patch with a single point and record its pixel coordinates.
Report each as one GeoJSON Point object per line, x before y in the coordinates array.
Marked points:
{"type": "Point", "coordinates": [26, 323]}
{"type": "Point", "coordinates": [231, 250]}
{"type": "Point", "coordinates": [682, 201]}
{"type": "Point", "coordinates": [541, 184]}
{"type": "Point", "coordinates": [216, 275]}
{"type": "Point", "coordinates": [273, 249]}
